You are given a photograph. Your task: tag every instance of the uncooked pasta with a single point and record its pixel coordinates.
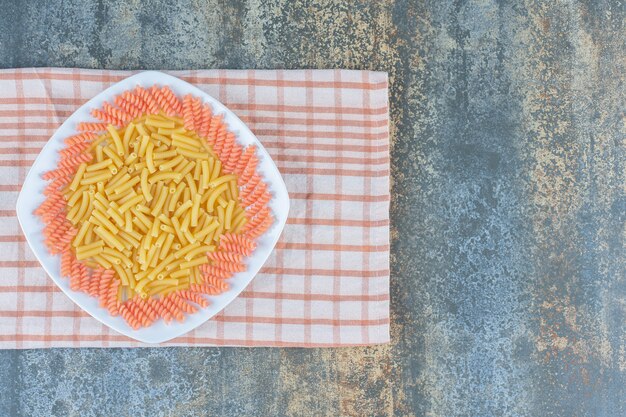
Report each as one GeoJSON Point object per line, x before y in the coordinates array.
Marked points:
{"type": "Point", "coordinates": [154, 207]}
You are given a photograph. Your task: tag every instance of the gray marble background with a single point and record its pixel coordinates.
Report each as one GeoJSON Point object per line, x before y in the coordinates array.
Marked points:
{"type": "Point", "coordinates": [508, 208]}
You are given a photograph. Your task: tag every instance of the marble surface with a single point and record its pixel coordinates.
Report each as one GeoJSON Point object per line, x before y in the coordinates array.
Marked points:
{"type": "Point", "coordinates": [508, 208]}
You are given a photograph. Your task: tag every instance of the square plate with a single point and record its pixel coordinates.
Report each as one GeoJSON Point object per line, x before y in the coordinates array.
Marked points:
{"type": "Point", "coordinates": [32, 196]}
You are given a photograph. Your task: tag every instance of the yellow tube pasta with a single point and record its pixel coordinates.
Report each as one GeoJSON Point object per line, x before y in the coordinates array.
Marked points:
{"type": "Point", "coordinates": [78, 176]}
{"type": "Point", "coordinates": [99, 166]}
{"type": "Point", "coordinates": [114, 157]}
{"type": "Point", "coordinates": [128, 204]}
{"type": "Point", "coordinates": [195, 210]}
{"type": "Point", "coordinates": [210, 205]}
{"type": "Point", "coordinates": [150, 157]}
{"type": "Point", "coordinates": [119, 147]}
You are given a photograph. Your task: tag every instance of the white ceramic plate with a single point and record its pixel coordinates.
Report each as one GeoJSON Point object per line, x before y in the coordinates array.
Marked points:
{"type": "Point", "coordinates": [31, 197]}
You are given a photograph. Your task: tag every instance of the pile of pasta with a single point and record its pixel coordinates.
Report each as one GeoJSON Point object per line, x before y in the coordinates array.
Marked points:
{"type": "Point", "coordinates": [154, 207]}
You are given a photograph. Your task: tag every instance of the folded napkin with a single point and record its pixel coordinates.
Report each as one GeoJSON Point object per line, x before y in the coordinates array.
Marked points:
{"type": "Point", "coordinates": [326, 283]}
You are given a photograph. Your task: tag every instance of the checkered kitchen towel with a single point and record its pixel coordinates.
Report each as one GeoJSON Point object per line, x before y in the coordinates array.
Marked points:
{"type": "Point", "coordinates": [327, 282]}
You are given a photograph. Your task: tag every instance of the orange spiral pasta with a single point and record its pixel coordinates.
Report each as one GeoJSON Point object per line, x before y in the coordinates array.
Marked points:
{"type": "Point", "coordinates": [206, 289]}
{"type": "Point", "coordinates": [239, 240]}
{"type": "Point", "coordinates": [127, 106]}
{"type": "Point", "coordinates": [181, 304]}
{"type": "Point", "coordinates": [93, 287]}
{"type": "Point", "coordinates": [91, 127]}
{"type": "Point", "coordinates": [55, 198]}
{"type": "Point", "coordinates": [220, 140]}
{"type": "Point", "coordinates": [174, 102]}
{"type": "Point", "coordinates": [188, 112]}
{"type": "Point", "coordinates": [214, 126]}
{"type": "Point", "coordinates": [235, 249]}
{"type": "Point", "coordinates": [106, 280]}
{"type": "Point", "coordinates": [106, 117]}
{"type": "Point", "coordinates": [248, 171]}
{"type": "Point", "coordinates": [228, 266]}
{"type": "Point", "coordinates": [205, 121]}
{"type": "Point", "coordinates": [258, 230]}
{"type": "Point", "coordinates": [194, 297]}
{"type": "Point", "coordinates": [229, 143]}
{"type": "Point", "coordinates": [250, 185]}
{"type": "Point", "coordinates": [155, 207]}
{"type": "Point", "coordinates": [126, 313]}
{"type": "Point", "coordinates": [58, 232]}
{"type": "Point", "coordinates": [77, 275]}
{"type": "Point", "coordinates": [258, 205]}
{"type": "Point", "coordinates": [150, 105]}
{"type": "Point", "coordinates": [215, 271]}
{"type": "Point", "coordinates": [58, 173]}
{"type": "Point", "coordinates": [81, 137]}
{"type": "Point", "coordinates": [216, 282]}
{"type": "Point", "coordinates": [74, 160]}
{"type": "Point", "coordinates": [244, 160]}
{"type": "Point", "coordinates": [140, 314]}
{"type": "Point", "coordinates": [132, 103]}
{"type": "Point", "coordinates": [58, 182]}
{"type": "Point", "coordinates": [168, 305]}
{"type": "Point", "coordinates": [67, 260]}
{"type": "Point", "coordinates": [146, 308]}
{"type": "Point", "coordinates": [231, 164]}
{"type": "Point", "coordinates": [113, 112]}
{"type": "Point", "coordinates": [225, 256]}
{"type": "Point", "coordinates": [74, 149]}
{"type": "Point", "coordinates": [111, 300]}
{"type": "Point", "coordinates": [197, 113]}
{"type": "Point", "coordinates": [161, 100]}
{"type": "Point", "coordinates": [161, 311]}
{"type": "Point", "coordinates": [254, 195]}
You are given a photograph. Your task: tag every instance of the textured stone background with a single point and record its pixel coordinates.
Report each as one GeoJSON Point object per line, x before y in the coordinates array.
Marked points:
{"type": "Point", "coordinates": [508, 207]}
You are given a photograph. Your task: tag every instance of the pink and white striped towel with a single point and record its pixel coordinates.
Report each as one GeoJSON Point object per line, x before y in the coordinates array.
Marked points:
{"type": "Point", "coordinates": [327, 282]}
